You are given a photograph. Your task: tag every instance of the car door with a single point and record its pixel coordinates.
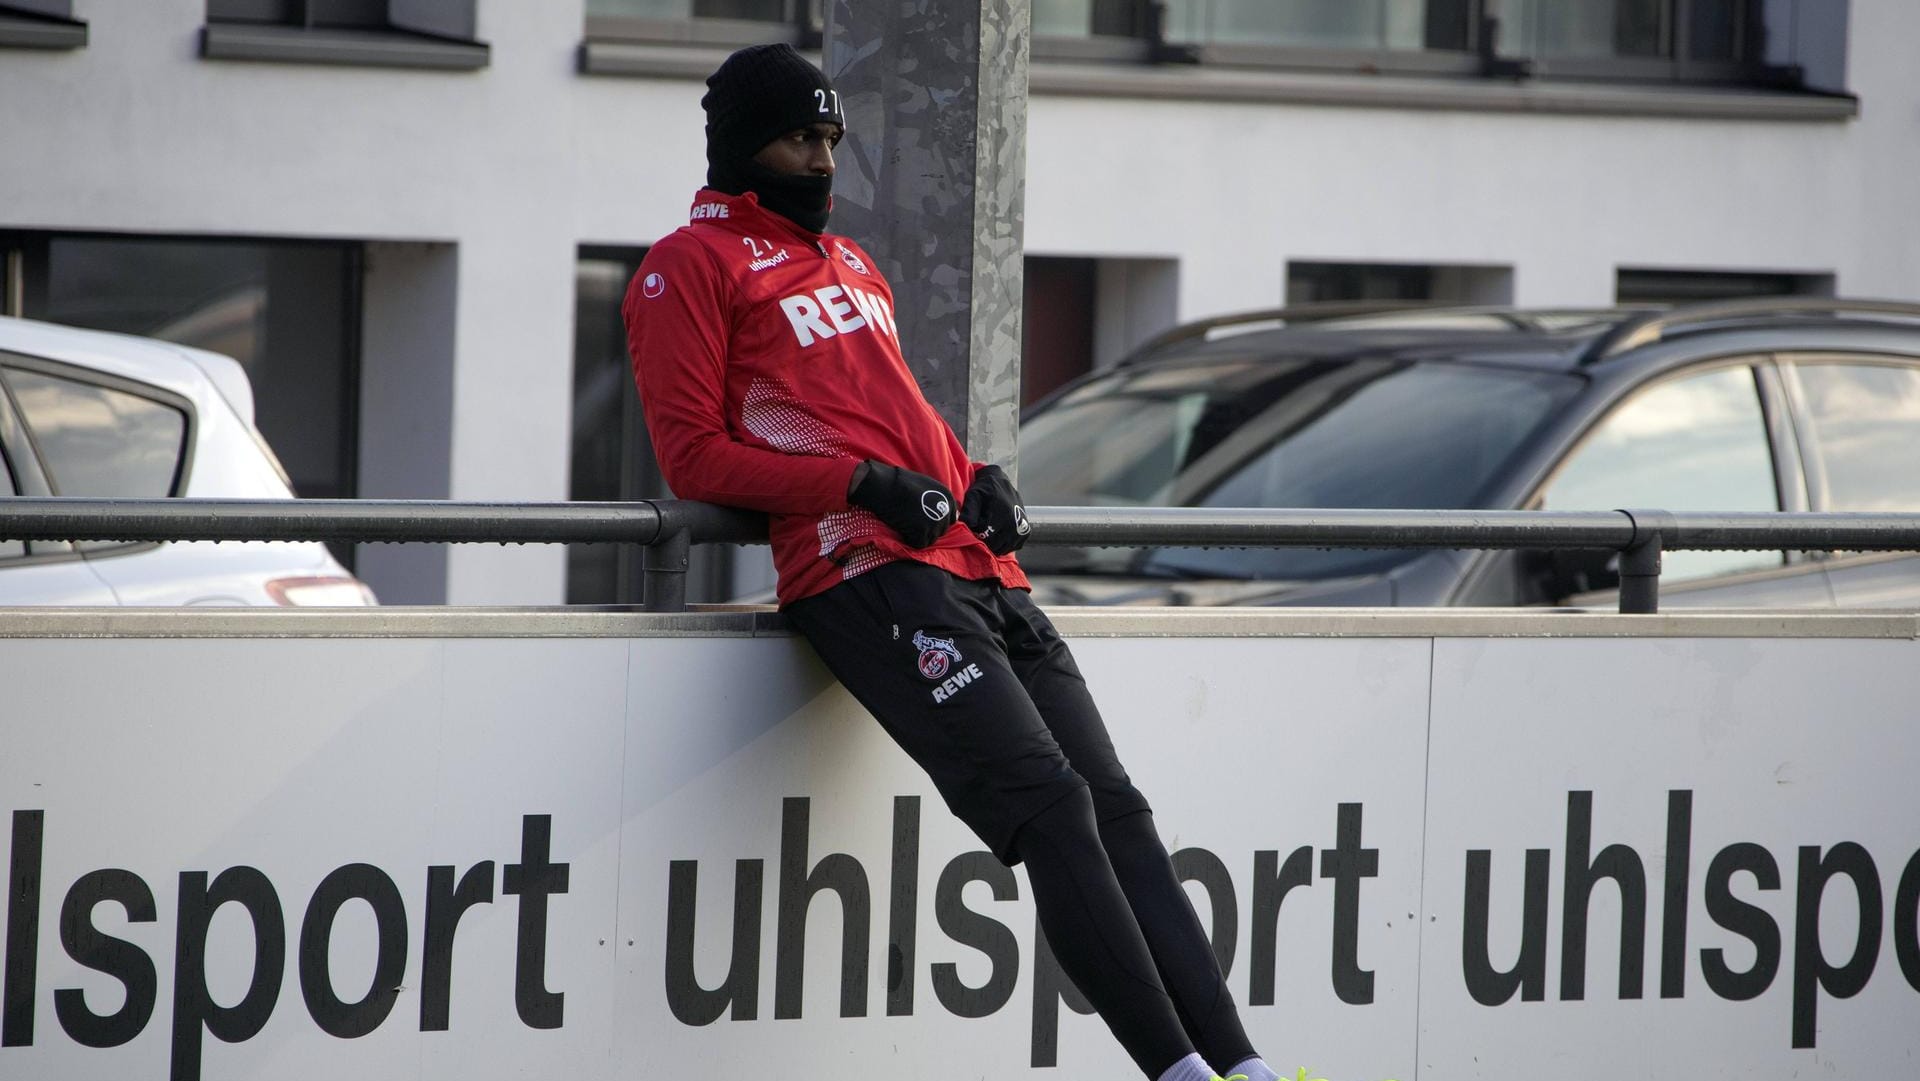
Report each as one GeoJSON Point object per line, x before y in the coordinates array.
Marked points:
{"type": "Point", "coordinates": [37, 572]}
{"type": "Point", "coordinates": [1700, 440]}
{"type": "Point", "coordinates": [1858, 417]}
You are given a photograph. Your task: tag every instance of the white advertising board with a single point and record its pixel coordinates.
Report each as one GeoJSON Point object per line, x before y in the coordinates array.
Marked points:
{"type": "Point", "coordinates": [609, 856]}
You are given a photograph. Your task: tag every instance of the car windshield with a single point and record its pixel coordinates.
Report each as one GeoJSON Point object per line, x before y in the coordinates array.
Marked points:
{"type": "Point", "coordinates": [1307, 433]}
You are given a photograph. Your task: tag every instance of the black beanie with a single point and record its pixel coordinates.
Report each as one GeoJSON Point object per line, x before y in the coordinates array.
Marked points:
{"type": "Point", "coordinates": [759, 94]}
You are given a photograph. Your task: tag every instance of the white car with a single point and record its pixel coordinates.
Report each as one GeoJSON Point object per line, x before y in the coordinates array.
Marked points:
{"type": "Point", "coordinates": [85, 413]}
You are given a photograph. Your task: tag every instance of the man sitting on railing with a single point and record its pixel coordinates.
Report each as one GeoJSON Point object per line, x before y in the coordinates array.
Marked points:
{"type": "Point", "coordinates": [769, 366]}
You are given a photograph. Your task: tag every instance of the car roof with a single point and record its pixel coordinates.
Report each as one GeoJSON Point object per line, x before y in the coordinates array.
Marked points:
{"type": "Point", "coordinates": [1564, 339]}
{"type": "Point", "coordinates": [181, 369]}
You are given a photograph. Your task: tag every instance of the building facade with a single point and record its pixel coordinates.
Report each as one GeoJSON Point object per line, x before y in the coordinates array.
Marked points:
{"type": "Point", "coordinates": [413, 220]}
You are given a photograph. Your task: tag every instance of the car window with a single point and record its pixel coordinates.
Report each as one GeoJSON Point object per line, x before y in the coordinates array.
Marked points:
{"type": "Point", "coordinates": [1696, 443]}
{"type": "Point", "coordinates": [100, 441]}
{"type": "Point", "coordinates": [1279, 433]}
{"type": "Point", "coordinates": [1865, 427]}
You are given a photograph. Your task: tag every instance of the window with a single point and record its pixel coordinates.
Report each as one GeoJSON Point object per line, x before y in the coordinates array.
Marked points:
{"type": "Point", "coordinates": [1591, 28]}
{"type": "Point", "coordinates": [288, 311]}
{"type": "Point", "coordinates": [1089, 18]}
{"type": "Point", "coordinates": [713, 22]}
{"type": "Point", "coordinates": [1692, 40]}
{"type": "Point", "coordinates": [41, 24]}
{"type": "Point", "coordinates": [1327, 24]}
{"type": "Point", "coordinates": [100, 441]}
{"type": "Point", "coordinates": [1653, 286]}
{"type": "Point", "coordinates": [1310, 282]}
{"type": "Point", "coordinates": [624, 36]}
{"type": "Point", "coordinates": [756, 10]}
{"type": "Point", "coordinates": [1277, 432]}
{"type": "Point", "coordinates": [612, 457]}
{"type": "Point", "coordinates": [1695, 443]}
{"type": "Point", "coordinates": [1864, 426]}
{"type": "Point", "coordinates": [434, 34]}
{"type": "Point", "coordinates": [1057, 323]}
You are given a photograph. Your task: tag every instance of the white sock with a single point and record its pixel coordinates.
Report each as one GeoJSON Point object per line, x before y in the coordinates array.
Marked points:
{"type": "Point", "coordinates": [1191, 1068]}
{"type": "Point", "coordinates": [1256, 1069]}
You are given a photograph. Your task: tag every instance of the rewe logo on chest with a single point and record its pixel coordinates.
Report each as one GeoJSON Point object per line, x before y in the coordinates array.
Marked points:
{"type": "Point", "coordinates": [833, 310]}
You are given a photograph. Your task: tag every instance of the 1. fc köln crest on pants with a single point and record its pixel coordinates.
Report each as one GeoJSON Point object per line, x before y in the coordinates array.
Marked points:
{"type": "Point", "coordinates": [937, 655]}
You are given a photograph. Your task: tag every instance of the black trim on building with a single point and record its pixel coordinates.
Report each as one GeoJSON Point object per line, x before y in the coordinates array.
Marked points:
{"type": "Point", "coordinates": [41, 24]}
{"type": "Point", "coordinates": [436, 35]}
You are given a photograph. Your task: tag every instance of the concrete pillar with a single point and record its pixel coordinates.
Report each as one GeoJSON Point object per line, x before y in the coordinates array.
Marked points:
{"type": "Point", "coordinates": [931, 181]}
{"type": "Point", "coordinates": [406, 405]}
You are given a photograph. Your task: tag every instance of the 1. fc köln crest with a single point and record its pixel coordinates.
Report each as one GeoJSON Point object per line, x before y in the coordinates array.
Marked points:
{"type": "Point", "coordinates": [936, 654]}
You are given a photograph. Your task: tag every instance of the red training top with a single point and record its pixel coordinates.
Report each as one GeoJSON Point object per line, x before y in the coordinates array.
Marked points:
{"type": "Point", "coordinates": [769, 367]}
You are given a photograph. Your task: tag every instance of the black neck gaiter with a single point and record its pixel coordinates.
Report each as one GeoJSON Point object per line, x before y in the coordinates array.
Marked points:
{"type": "Point", "coordinates": [802, 199]}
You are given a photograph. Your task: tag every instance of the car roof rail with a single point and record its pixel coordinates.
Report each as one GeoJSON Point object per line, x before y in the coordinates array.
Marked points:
{"type": "Point", "coordinates": [1659, 325]}
{"type": "Point", "coordinates": [1319, 311]}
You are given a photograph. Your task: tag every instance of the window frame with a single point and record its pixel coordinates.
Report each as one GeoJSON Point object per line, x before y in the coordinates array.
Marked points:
{"type": "Point", "coordinates": [803, 26]}
{"type": "Point", "coordinates": [30, 462]}
{"type": "Point", "coordinates": [640, 46]}
{"type": "Point", "coordinates": [35, 457]}
{"type": "Point", "coordinates": [1675, 63]}
{"type": "Point", "coordinates": [1784, 456]}
{"type": "Point", "coordinates": [436, 36]}
{"type": "Point", "coordinates": [1483, 55]}
{"type": "Point", "coordinates": [1812, 452]}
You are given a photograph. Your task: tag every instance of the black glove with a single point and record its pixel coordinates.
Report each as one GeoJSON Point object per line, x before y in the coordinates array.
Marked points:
{"type": "Point", "coordinates": [993, 511]}
{"type": "Point", "coordinates": [914, 505]}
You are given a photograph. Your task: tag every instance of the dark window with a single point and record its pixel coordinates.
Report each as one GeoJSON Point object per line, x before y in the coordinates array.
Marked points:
{"type": "Point", "coordinates": [288, 311]}
{"type": "Point", "coordinates": [757, 10]}
{"type": "Point", "coordinates": [450, 18]}
{"type": "Point", "coordinates": [1865, 430]}
{"type": "Point", "coordinates": [612, 458]}
{"type": "Point", "coordinates": [1691, 40]}
{"type": "Point", "coordinates": [100, 441]}
{"type": "Point", "coordinates": [1716, 29]}
{"type": "Point", "coordinates": [1277, 433]}
{"type": "Point", "coordinates": [1309, 283]}
{"type": "Point", "coordinates": [738, 22]}
{"type": "Point", "coordinates": [1586, 28]}
{"type": "Point", "coordinates": [1636, 286]}
{"type": "Point", "coordinates": [1334, 24]}
{"type": "Point", "coordinates": [1095, 18]}
{"type": "Point", "coordinates": [1056, 323]}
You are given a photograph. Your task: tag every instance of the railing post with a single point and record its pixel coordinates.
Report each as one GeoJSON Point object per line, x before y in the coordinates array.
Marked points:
{"type": "Point", "coordinates": [1640, 560]}
{"type": "Point", "coordinates": [1640, 577]}
{"type": "Point", "coordinates": [663, 570]}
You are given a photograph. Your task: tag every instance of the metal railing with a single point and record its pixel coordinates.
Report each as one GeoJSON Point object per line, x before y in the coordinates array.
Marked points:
{"type": "Point", "coordinates": [669, 528]}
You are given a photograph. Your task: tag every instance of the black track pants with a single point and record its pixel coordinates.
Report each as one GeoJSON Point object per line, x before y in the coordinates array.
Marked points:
{"type": "Point", "coordinates": [974, 683]}
{"type": "Point", "coordinates": [1179, 943]}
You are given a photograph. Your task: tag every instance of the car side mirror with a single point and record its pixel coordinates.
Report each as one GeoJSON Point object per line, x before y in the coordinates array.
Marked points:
{"type": "Point", "coordinates": [1564, 573]}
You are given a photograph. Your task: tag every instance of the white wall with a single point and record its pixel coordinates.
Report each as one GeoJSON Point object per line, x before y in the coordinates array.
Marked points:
{"type": "Point", "coordinates": [515, 165]}
{"type": "Point", "coordinates": [1238, 190]}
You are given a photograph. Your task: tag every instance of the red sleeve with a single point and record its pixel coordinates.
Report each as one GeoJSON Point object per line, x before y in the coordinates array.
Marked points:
{"type": "Point", "coordinates": [678, 312]}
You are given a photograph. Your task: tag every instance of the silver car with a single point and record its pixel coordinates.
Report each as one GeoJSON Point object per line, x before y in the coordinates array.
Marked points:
{"type": "Point", "coordinates": [85, 413]}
